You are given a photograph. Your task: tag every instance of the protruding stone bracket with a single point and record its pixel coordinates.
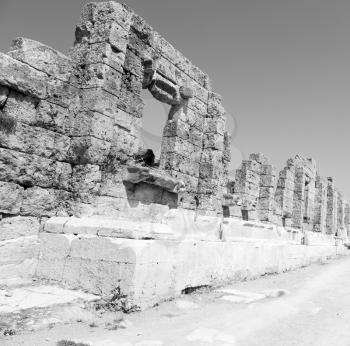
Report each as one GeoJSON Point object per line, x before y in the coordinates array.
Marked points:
{"type": "Point", "coordinates": [138, 174]}
{"type": "Point", "coordinates": [162, 88]}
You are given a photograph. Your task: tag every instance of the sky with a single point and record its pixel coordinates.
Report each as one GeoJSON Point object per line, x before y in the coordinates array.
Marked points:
{"type": "Point", "coordinates": [282, 67]}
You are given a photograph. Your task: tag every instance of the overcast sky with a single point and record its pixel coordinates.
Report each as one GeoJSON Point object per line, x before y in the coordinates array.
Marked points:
{"type": "Point", "coordinates": [282, 66]}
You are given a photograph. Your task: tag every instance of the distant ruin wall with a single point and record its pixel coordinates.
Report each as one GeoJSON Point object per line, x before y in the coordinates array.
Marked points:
{"type": "Point", "coordinates": [298, 197]}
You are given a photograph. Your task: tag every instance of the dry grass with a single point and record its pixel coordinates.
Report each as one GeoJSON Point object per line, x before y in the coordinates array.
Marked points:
{"type": "Point", "coordinates": [71, 343]}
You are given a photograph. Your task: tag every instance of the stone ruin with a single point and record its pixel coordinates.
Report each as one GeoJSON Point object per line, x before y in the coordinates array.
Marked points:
{"type": "Point", "coordinates": [297, 197]}
{"type": "Point", "coordinates": [80, 195]}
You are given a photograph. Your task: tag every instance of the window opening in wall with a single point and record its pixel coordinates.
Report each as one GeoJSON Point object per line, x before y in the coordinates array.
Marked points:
{"type": "Point", "coordinates": [155, 115]}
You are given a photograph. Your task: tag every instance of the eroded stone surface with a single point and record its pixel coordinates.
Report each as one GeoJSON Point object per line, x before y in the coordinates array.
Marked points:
{"type": "Point", "coordinates": [71, 150]}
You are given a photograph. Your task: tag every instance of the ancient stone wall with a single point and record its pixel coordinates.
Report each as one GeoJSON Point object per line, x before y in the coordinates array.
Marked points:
{"type": "Point", "coordinates": [298, 198]}
{"type": "Point", "coordinates": [70, 127]}
{"type": "Point", "coordinates": [70, 141]}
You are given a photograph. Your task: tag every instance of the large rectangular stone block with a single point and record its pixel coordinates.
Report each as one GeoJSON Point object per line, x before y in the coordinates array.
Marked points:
{"type": "Point", "coordinates": [25, 139]}
{"type": "Point", "coordinates": [102, 52]}
{"type": "Point", "coordinates": [10, 198]}
{"type": "Point", "coordinates": [41, 57]}
{"type": "Point", "coordinates": [32, 170]}
{"type": "Point", "coordinates": [88, 149]}
{"type": "Point", "coordinates": [45, 202]}
{"type": "Point", "coordinates": [18, 226]}
{"type": "Point", "coordinates": [93, 124]}
{"type": "Point", "coordinates": [22, 77]}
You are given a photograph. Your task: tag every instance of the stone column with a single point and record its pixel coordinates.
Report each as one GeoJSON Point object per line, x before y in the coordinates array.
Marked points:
{"type": "Point", "coordinates": [331, 207]}
{"type": "Point", "coordinates": [320, 205]}
{"type": "Point", "coordinates": [284, 193]}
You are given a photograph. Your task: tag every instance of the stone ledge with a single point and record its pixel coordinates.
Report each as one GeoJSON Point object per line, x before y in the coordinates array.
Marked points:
{"type": "Point", "coordinates": [138, 174]}
{"type": "Point", "coordinates": [104, 227]}
{"type": "Point", "coordinates": [149, 271]}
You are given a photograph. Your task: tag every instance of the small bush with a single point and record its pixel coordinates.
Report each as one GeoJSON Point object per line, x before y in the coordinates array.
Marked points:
{"type": "Point", "coordinates": [71, 343]}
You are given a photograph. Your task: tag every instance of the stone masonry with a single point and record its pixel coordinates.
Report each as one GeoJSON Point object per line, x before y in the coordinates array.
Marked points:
{"type": "Point", "coordinates": [298, 197]}
{"type": "Point", "coordinates": [71, 151]}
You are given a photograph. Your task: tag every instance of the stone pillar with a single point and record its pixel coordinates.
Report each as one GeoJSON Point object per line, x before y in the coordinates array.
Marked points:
{"type": "Point", "coordinates": [267, 187]}
{"type": "Point", "coordinates": [340, 214]}
{"type": "Point", "coordinates": [331, 207]}
{"type": "Point", "coordinates": [284, 193]}
{"type": "Point", "coordinates": [99, 55]}
{"type": "Point", "coordinates": [247, 185]}
{"type": "Point", "coordinates": [320, 205]}
{"type": "Point", "coordinates": [347, 217]}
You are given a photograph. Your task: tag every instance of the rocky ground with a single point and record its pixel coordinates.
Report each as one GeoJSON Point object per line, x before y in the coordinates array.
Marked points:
{"type": "Point", "coordinates": [309, 306]}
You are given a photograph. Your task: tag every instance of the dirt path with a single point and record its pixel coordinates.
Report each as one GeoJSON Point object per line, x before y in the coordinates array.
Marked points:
{"type": "Point", "coordinates": [315, 310]}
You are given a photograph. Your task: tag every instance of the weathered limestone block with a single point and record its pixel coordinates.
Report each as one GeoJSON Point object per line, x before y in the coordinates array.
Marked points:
{"type": "Point", "coordinates": [124, 142]}
{"type": "Point", "coordinates": [347, 217]}
{"type": "Point", "coordinates": [210, 171]}
{"type": "Point", "coordinates": [127, 121]}
{"type": "Point", "coordinates": [101, 52]}
{"type": "Point", "coordinates": [25, 139]}
{"type": "Point", "coordinates": [102, 31]}
{"type": "Point", "coordinates": [215, 125]}
{"type": "Point", "coordinates": [320, 205]}
{"type": "Point", "coordinates": [198, 106]}
{"type": "Point", "coordinates": [53, 117]}
{"type": "Point", "coordinates": [144, 174]}
{"type": "Point", "coordinates": [26, 109]}
{"type": "Point", "coordinates": [182, 164]}
{"type": "Point", "coordinates": [246, 175]}
{"type": "Point", "coordinates": [41, 57]}
{"type": "Point", "coordinates": [10, 198]}
{"type": "Point", "coordinates": [331, 220]}
{"type": "Point", "coordinates": [181, 62]}
{"type": "Point", "coordinates": [63, 94]}
{"type": "Point", "coordinates": [99, 100]}
{"type": "Point", "coordinates": [192, 118]}
{"type": "Point", "coordinates": [88, 150]}
{"type": "Point", "coordinates": [183, 130]}
{"type": "Point", "coordinates": [191, 182]}
{"type": "Point", "coordinates": [18, 226]}
{"type": "Point", "coordinates": [85, 178]}
{"type": "Point", "coordinates": [213, 141]}
{"type": "Point", "coordinates": [178, 145]}
{"type": "Point", "coordinates": [99, 75]}
{"type": "Point", "coordinates": [112, 187]}
{"type": "Point", "coordinates": [215, 108]}
{"type": "Point", "coordinates": [132, 82]}
{"type": "Point", "coordinates": [213, 157]}
{"type": "Point", "coordinates": [45, 202]}
{"type": "Point", "coordinates": [262, 159]}
{"type": "Point", "coordinates": [19, 76]}
{"type": "Point", "coordinates": [209, 202]}
{"type": "Point", "coordinates": [106, 12]}
{"type": "Point", "coordinates": [31, 170]}
{"type": "Point", "coordinates": [107, 227]}
{"type": "Point", "coordinates": [130, 102]}
{"type": "Point", "coordinates": [18, 259]}
{"type": "Point", "coordinates": [134, 63]}
{"type": "Point", "coordinates": [21, 107]}
{"type": "Point", "coordinates": [93, 124]}
{"type": "Point", "coordinates": [165, 91]}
